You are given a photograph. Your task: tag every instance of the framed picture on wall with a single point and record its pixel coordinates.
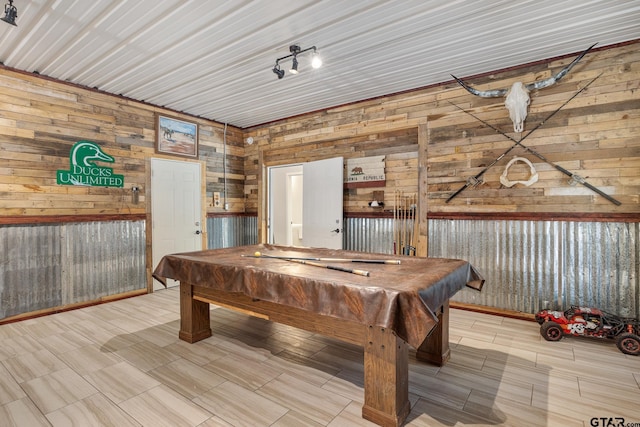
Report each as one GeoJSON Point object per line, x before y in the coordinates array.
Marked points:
{"type": "Point", "coordinates": [176, 136]}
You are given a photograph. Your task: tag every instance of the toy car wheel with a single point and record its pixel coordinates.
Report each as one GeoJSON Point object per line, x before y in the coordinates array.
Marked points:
{"type": "Point", "coordinates": [628, 343]}
{"type": "Point", "coordinates": [551, 331]}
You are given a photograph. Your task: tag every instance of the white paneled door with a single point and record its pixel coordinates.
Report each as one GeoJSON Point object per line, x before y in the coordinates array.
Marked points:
{"type": "Point", "coordinates": [175, 209]}
{"type": "Point", "coordinates": [322, 203]}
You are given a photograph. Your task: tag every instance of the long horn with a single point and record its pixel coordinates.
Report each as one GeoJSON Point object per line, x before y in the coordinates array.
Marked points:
{"type": "Point", "coordinates": [495, 93]}
{"type": "Point", "coordinates": [551, 80]}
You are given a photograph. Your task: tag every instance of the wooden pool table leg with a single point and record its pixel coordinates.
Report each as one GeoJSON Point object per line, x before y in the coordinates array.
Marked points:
{"type": "Point", "coordinates": [435, 348]}
{"type": "Point", "coordinates": [194, 316]}
{"type": "Point", "coordinates": [386, 378]}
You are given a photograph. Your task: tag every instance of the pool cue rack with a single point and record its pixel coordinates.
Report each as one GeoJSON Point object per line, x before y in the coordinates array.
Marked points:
{"type": "Point", "coordinates": [405, 209]}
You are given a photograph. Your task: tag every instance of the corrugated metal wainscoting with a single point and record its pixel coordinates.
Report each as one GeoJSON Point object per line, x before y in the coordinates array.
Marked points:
{"type": "Point", "coordinates": [51, 265]}
{"type": "Point", "coordinates": [229, 231]}
{"type": "Point", "coordinates": [529, 265]}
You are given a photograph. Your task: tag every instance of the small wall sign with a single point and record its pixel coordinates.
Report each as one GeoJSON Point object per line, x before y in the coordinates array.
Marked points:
{"type": "Point", "coordinates": [83, 169]}
{"type": "Point", "coordinates": [365, 172]}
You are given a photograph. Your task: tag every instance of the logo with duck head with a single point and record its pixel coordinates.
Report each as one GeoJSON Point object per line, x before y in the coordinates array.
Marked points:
{"type": "Point", "coordinates": [85, 153]}
{"type": "Point", "coordinates": [83, 169]}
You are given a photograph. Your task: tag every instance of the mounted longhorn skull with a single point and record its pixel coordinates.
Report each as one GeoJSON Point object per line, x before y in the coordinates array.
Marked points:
{"type": "Point", "coordinates": [517, 101]}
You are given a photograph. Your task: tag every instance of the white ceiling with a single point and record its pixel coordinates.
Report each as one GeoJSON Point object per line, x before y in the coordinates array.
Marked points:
{"type": "Point", "coordinates": [214, 58]}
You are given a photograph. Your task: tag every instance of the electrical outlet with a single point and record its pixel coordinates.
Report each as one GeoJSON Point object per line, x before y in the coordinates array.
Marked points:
{"type": "Point", "coordinates": [216, 199]}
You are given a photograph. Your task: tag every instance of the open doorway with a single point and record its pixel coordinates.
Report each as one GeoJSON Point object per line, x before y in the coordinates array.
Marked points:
{"type": "Point", "coordinates": [305, 204]}
{"type": "Point", "coordinates": [285, 205]}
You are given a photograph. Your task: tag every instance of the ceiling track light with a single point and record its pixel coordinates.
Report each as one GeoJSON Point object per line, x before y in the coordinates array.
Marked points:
{"type": "Point", "coordinates": [278, 71]}
{"type": "Point", "coordinates": [294, 66]}
{"type": "Point", "coordinates": [295, 50]}
{"type": "Point", "coordinates": [10, 13]}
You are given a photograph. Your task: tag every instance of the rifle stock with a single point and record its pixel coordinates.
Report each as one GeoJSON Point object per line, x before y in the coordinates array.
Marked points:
{"type": "Point", "coordinates": [574, 177]}
{"type": "Point", "coordinates": [473, 181]}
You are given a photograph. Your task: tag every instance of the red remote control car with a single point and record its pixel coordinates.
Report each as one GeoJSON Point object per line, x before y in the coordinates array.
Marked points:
{"type": "Point", "coordinates": [591, 322]}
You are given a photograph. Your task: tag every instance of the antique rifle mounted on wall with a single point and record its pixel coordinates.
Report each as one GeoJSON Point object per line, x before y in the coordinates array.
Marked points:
{"type": "Point", "coordinates": [474, 180]}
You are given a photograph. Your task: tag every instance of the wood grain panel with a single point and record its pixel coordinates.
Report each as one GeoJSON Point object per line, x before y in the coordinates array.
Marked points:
{"type": "Point", "coordinates": [594, 136]}
{"type": "Point", "coordinates": [40, 120]}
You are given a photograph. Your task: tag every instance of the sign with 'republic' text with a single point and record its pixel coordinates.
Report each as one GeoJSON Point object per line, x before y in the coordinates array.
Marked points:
{"type": "Point", "coordinates": [365, 172]}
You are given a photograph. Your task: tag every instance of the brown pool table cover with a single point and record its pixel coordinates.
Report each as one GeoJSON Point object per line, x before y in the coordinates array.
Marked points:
{"type": "Point", "coordinates": [401, 297]}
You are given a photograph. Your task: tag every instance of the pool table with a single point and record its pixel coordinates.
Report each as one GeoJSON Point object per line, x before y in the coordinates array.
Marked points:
{"type": "Point", "coordinates": [391, 307]}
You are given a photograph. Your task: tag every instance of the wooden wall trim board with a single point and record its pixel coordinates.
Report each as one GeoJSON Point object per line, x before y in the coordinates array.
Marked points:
{"type": "Point", "coordinates": [473, 216]}
{"type": "Point", "coordinates": [422, 229]}
{"type": "Point", "coordinates": [542, 216]}
{"type": "Point", "coordinates": [50, 219]}
{"type": "Point", "coordinates": [229, 214]}
{"type": "Point", "coordinates": [509, 216]}
{"type": "Point", "coordinates": [69, 307]}
{"type": "Point", "coordinates": [492, 310]}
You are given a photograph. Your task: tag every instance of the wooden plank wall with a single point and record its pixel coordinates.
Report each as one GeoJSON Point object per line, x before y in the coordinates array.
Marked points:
{"type": "Point", "coordinates": [40, 119]}
{"type": "Point", "coordinates": [595, 136]}
{"type": "Point", "coordinates": [400, 148]}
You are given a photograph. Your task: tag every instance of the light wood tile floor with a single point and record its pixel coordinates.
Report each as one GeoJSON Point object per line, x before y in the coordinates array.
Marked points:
{"type": "Point", "coordinates": [121, 364]}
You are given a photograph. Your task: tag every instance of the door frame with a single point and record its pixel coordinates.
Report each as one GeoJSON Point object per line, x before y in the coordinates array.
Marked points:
{"type": "Point", "coordinates": [148, 205]}
{"type": "Point", "coordinates": [265, 220]}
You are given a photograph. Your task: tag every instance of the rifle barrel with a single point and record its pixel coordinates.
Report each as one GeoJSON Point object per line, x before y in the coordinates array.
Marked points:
{"type": "Point", "coordinates": [535, 153]}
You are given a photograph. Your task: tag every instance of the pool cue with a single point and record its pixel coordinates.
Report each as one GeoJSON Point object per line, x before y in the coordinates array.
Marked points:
{"type": "Point", "coordinates": [416, 225]}
{"type": "Point", "coordinates": [364, 261]}
{"type": "Point", "coordinates": [404, 224]}
{"type": "Point", "coordinates": [330, 267]}
{"type": "Point", "coordinates": [407, 218]}
{"type": "Point", "coordinates": [410, 226]}
{"type": "Point", "coordinates": [395, 218]}
{"type": "Point", "coordinates": [398, 231]}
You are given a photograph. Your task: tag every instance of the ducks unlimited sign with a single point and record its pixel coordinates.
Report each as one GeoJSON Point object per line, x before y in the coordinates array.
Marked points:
{"type": "Point", "coordinates": [84, 171]}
